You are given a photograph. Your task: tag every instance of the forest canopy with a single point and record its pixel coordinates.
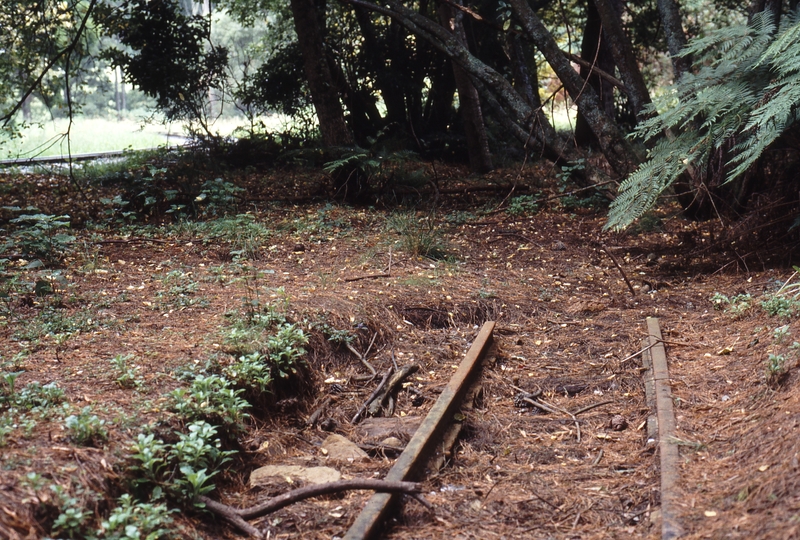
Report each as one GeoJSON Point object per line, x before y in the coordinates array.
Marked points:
{"type": "Point", "coordinates": [693, 100]}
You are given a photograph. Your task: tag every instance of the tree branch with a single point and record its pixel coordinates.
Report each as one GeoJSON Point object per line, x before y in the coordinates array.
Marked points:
{"type": "Point", "coordinates": [66, 50]}
{"type": "Point", "coordinates": [300, 494]}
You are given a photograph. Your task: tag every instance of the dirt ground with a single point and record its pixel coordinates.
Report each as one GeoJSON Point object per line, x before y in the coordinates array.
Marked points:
{"type": "Point", "coordinates": [568, 326]}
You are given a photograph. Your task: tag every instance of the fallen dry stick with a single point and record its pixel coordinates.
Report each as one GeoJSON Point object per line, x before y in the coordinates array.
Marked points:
{"type": "Point", "coordinates": [372, 396]}
{"type": "Point", "coordinates": [237, 516]}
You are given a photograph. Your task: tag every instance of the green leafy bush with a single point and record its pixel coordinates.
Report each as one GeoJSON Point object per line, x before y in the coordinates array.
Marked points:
{"type": "Point", "coordinates": [135, 520]}
{"type": "Point", "coordinates": [181, 470]}
{"type": "Point", "coordinates": [86, 428]}
{"type": "Point", "coordinates": [41, 237]}
{"type": "Point", "coordinates": [211, 398]}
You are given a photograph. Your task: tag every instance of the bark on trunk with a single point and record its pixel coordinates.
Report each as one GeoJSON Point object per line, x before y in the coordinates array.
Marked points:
{"type": "Point", "coordinates": [595, 51]}
{"type": "Point", "coordinates": [377, 57]}
{"type": "Point", "coordinates": [480, 159]}
{"type": "Point", "coordinates": [320, 82]}
{"type": "Point", "coordinates": [622, 52]}
{"type": "Point", "coordinates": [670, 14]}
{"type": "Point", "coordinates": [621, 155]}
{"type": "Point", "coordinates": [525, 83]}
{"type": "Point", "coordinates": [446, 43]}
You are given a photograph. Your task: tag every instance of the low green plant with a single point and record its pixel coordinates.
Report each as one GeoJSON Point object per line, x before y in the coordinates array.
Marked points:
{"type": "Point", "coordinates": [37, 396]}
{"type": "Point", "coordinates": [286, 349]}
{"type": "Point", "coordinates": [218, 197]}
{"type": "Point", "coordinates": [40, 237]}
{"type": "Point", "coordinates": [181, 290]}
{"type": "Point", "coordinates": [135, 520]}
{"type": "Point", "coordinates": [780, 306]}
{"type": "Point", "coordinates": [73, 519]}
{"type": "Point", "coordinates": [735, 306]}
{"type": "Point", "coordinates": [522, 205]}
{"type": "Point", "coordinates": [776, 369]}
{"type": "Point", "coordinates": [419, 236]}
{"type": "Point", "coordinates": [243, 233]}
{"type": "Point", "coordinates": [85, 428]}
{"type": "Point", "coordinates": [780, 334]}
{"type": "Point", "coordinates": [251, 372]}
{"type": "Point", "coordinates": [126, 375]}
{"type": "Point", "coordinates": [211, 398]}
{"type": "Point", "coordinates": [181, 470]}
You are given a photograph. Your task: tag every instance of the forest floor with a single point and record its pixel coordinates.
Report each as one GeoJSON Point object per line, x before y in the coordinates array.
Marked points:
{"type": "Point", "coordinates": [167, 301]}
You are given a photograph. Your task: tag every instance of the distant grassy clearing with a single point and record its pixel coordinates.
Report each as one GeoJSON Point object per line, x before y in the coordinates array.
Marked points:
{"type": "Point", "coordinates": [102, 135]}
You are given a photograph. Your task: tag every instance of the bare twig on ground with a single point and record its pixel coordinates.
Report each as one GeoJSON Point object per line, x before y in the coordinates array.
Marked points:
{"type": "Point", "coordinates": [370, 276]}
{"type": "Point", "coordinates": [230, 515]}
{"type": "Point", "coordinates": [592, 406]}
{"type": "Point", "coordinates": [372, 396]}
{"type": "Point", "coordinates": [362, 357]}
{"type": "Point", "coordinates": [381, 399]}
{"type": "Point", "coordinates": [605, 250]}
{"type": "Point", "coordinates": [314, 418]}
{"type": "Point", "coordinates": [307, 492]}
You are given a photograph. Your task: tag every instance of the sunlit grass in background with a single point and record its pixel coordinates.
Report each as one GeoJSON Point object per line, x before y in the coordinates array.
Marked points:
{"type": "Point", "coordinates": [89, 135]}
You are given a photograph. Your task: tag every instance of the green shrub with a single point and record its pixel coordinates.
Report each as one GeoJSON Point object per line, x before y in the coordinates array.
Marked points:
{"type": "Point", "coordinates": [211, 398]}
{"type": "Point", "coordinates": [40, 236]}
{"type": "Point", "coordinates": [134, 520]}
{"type": "Point", "coordinates": [86, 428]}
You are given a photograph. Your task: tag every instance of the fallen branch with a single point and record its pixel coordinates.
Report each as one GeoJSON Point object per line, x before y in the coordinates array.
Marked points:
{"type": "Point", "coordinates": [372, 396]}
{"type": "Point", "coordinates": [314, 418]}
{"type": "Point", "coordinates": [307, 492]}
{"type": "Point", "coordinates": [363, 357]}
{"type": "Point", "coordinates": [592, 406]}
{"type": "Point", "coordinates": [621, 271]}
{"type": "Point", "coordinates": [231, 516]}
{"type": "Point", "coordinates": [381, 400]}
{"type": "Point", "coordinates": [370, 276]}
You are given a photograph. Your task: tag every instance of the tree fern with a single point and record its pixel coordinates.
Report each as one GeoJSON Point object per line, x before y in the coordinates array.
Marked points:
{"type": "Point", "coordinates": [745, 90]}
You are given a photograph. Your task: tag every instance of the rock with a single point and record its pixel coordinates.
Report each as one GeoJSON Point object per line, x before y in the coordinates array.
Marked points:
{"type": "Point", "coordinates": [292, 475]}
{"type": "Point", "coordinates": [392, 442]}
{"type": "Point", "coordinates": [618, 423]}
{"type": "Point", "coordinates": [377, 429]}
{"type": "Point", "coordinates": [340, 448]}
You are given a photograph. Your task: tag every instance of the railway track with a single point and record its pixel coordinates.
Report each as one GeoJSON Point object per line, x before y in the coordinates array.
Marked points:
{"type": "Point", "coordinates": [429, 448]}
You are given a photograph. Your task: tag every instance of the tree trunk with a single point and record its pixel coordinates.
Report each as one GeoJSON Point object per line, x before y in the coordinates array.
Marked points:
{"type": "Point", "coordinates": [320, 82]}
{"type": "Point", "coordinates": [527, 85]}
{"type": "Point", "coordinates": [620, 153]}
{"type": "Point", "coordinates": [480, 159]}
{"type": "Point", "coordinates": [595, 50]}
{"type": "Point", "coordinates": [670, 14]}
{"type": "Point", "coordinates": [622, 52]}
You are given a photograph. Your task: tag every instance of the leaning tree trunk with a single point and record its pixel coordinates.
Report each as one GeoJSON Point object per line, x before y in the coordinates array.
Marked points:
{"type": "Point", "coordinates": [621, 154]}
{"type": "Point", "coordinates": [324, 96]}
{"type": "Point", "coordinates": [480, 159]}
{"type": "Point", "coordinates": [622, 51]}
{"type": "Point", "coordinates": [531, 125]}
{"type": "Point", "coordinates": [526, 82]}
{"type": "Point", "coordinates": [594, 49]}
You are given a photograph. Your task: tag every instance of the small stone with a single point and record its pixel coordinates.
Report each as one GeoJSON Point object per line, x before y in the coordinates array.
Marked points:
{"type": "Point", "coordinates": [558, 245]}
{"type": "Point", "coordinates": [342, 449]}
{"type": "Point", "coordinates": [618, 423]}
{"type": "Point", "coordinates": [280, 475]}
{"type": "Point", "coordinates": [392, 442]}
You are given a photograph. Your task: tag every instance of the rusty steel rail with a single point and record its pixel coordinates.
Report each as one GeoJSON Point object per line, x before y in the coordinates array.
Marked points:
{"type": "Point", "coordinates": [665, 414]}
{"type": "Point", "coordinates": [418, 451]}
{"type": "Point", "coordinates": [64, 158]}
